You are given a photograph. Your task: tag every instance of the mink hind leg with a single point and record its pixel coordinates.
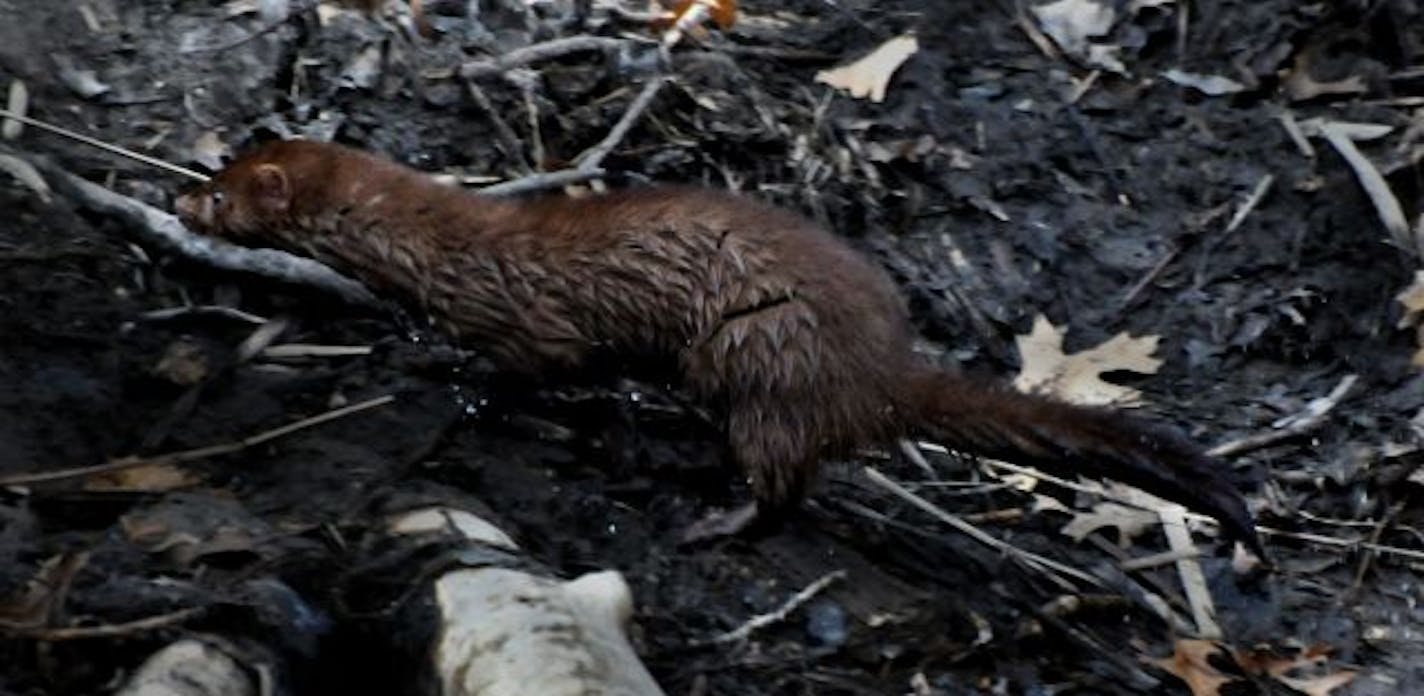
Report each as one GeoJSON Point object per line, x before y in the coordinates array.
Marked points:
{"type": "Point", "coordinates": [769, 447]}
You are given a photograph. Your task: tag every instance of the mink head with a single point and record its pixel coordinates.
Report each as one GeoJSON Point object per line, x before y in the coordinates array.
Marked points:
{"type": "Point", "coordinates": [251, 199]}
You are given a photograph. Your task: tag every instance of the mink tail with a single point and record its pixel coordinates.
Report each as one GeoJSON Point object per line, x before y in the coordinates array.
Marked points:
{"type": "Point", "coordinates": [1065, 440]}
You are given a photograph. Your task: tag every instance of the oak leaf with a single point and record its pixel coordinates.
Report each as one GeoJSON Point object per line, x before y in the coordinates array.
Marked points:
{"type": "Point", "coordinates": [1077, 378]}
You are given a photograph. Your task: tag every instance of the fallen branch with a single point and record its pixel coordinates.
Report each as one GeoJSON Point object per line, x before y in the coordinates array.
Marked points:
{"type": "Point", "coordinates": [593, 157]}
{"type": "Point", "coordinates": [1308, 419]}
{"type": "Point", "coordinates": [537, 52]}
{"type": "Point", "coordinates": [779, 614]}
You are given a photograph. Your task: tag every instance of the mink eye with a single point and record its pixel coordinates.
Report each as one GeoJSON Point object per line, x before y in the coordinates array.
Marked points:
{"type": "Point", "coordinates": [217, 197]}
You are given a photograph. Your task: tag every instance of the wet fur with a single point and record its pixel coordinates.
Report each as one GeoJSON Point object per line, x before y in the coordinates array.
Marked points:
{"type": "Point", "coordinates": [801, 342]}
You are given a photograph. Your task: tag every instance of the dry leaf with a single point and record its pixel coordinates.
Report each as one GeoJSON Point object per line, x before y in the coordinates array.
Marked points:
{"type": "Point", "coordinates": [1288, 667]}
{"type": "Point", "coordinates": [210, 151]}
{"type": "Point", "coordinates": [1076, 378]}
{"type": "Point", "coordinates": [1070, 23]}
{"type": "Point", "coordinates": [1200, 663]}
{"type": "Point", "coordinates": [1194, 662]}
{"type": "Point", "coordinates": [1319, 686]}
{"type": "Point", "coordinates": [149, 478]}
{"type": "Point", "coordinates": [1130, 522]}
{"type": "Point", "coordinates": [1412, 298]}
{"type": "Point", "coordinates": [30, 606]}
{"type": "Point", "coordinates": [1301, 86]}
{"type": "Point", "coordinates": [1210, 85]}
{"type": "Point", "coordinates": [870, 75]}
{"type": "Point", "coordinates": [184, 363]}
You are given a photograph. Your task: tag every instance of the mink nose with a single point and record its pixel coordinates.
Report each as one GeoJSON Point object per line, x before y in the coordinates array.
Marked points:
{"type": "Point", "coordinates": [188, 208]}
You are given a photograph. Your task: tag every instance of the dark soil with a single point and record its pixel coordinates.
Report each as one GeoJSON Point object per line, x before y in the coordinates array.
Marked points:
{"type": "Point", "coordinates": [1107, 214]}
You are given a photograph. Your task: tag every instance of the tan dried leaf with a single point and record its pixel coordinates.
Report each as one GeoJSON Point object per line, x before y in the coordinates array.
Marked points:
{"type": "Point", "coordinates": [149, 478]}
{"type": "Point", "coordinates": [1130, 522]}
{"type": "Point", "coordinates": [1290, 667]}
{"type": "Point", "coordinates": [1412, 298]}
{"type": "Point", "coordinates": [1077, 378]}
{"type": "Point", "coordinates": [870, 76]}
{"type": "Point", "coordinates": [1191, 661]}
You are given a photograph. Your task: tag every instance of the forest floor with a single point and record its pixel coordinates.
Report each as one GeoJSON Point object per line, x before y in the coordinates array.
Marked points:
{"type": "Point", "coordinates": [1167, 179]}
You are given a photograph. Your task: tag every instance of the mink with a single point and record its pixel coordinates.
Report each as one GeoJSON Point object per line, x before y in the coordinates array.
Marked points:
{"type": "Point", "coordinates": [800, 343]}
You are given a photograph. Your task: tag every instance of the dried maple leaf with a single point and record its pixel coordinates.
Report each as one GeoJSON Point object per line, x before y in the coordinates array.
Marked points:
{"type": "Point", "coordinates": [1077, 378]}
{"type": "Point", "coordinates": [1197, 662]}
{"type": "Point", "coordinates": [870, 76]}
{"type": "Point", "coordinates": [1207, 666]}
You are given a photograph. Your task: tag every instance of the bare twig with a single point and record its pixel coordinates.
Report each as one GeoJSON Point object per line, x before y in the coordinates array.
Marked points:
{"type": "Point", "coordinates": [778, 615]}
{"type": "Point", "coordinates": [1308, 419]}
{"type": "Point", "coordinates": [107, 147]}
{"type": "Point", "coordinates": [538, 52]}
{"type": "Point", "coordinates": [1263, 185]}
{"type": "Point", "coordinates": [1297, 136]}
{"type": "Point", "coordinates": [150, 623]}
{"type": "Point", "coordinates": [593, 157]}
{"type": "Point", "coordinates": [202, 310]}
{"type": "Point", "coordinates": [506, 135]}
{"type": "Point", "coordinates": [542, 181]}
{"type": "Point", "coordinates": [133, 461]}
{"type": "Point", "coordinates": [1032, 560]}
{"type": "Point", "coordinates": [287, 351]}
{"type": "Point", "coordinates": [1174, 524]}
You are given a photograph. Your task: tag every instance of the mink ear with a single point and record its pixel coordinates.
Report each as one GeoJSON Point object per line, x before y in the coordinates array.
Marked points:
{"type": "Point", "coordinates": [270, 188]}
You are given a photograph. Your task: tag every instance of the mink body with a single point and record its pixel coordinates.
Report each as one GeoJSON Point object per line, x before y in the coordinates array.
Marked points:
{"type": "Point", "coordinates": [799, 341]}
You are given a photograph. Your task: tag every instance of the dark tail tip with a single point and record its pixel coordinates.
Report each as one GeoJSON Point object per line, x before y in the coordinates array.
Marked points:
{"type": "Point", "coordinates": [1067, 439]}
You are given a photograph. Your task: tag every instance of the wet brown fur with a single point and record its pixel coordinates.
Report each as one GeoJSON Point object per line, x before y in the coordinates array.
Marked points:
{"type": "Point", "coordinates": [802, 343]}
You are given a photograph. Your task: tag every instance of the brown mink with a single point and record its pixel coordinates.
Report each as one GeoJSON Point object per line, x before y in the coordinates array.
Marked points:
{"type": "Point", "coordinates": [802, 344]}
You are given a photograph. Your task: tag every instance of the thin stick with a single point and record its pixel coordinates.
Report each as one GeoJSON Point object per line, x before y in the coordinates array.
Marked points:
{"type": "Point", "coordinates": [133, 461]}
{"type": "Point", "coordinates": [537, 52]}
{"type": "Point", "coordinates": [150, 623]}
{"type": "Point", "coordinates": [542, 181]}
{"type": "Point", "coordinates": [506, 134]}
{"type": "Point", "coordinates": [288, 351]}
{"type": "Point", "coordinates": [317, 420]}
{"type": "Point", "coordinates": [107, 147]}
{"type": "Point", "coordinates": [593, 157]}
{"type": "Point", "coordinates": [760, 621]}
{"type": "Point", "coordinates": [1308, 419]}
{"type": "Point", "coordinates": [1174, 525]}
{"type": "Point", "coordinates": [1028, 557]}
{"type": "Point", "coordinates": [202, 310]}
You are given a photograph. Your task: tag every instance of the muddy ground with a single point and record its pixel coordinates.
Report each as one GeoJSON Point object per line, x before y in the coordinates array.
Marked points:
{"type": "Point", "coordinates": [993, 182]}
